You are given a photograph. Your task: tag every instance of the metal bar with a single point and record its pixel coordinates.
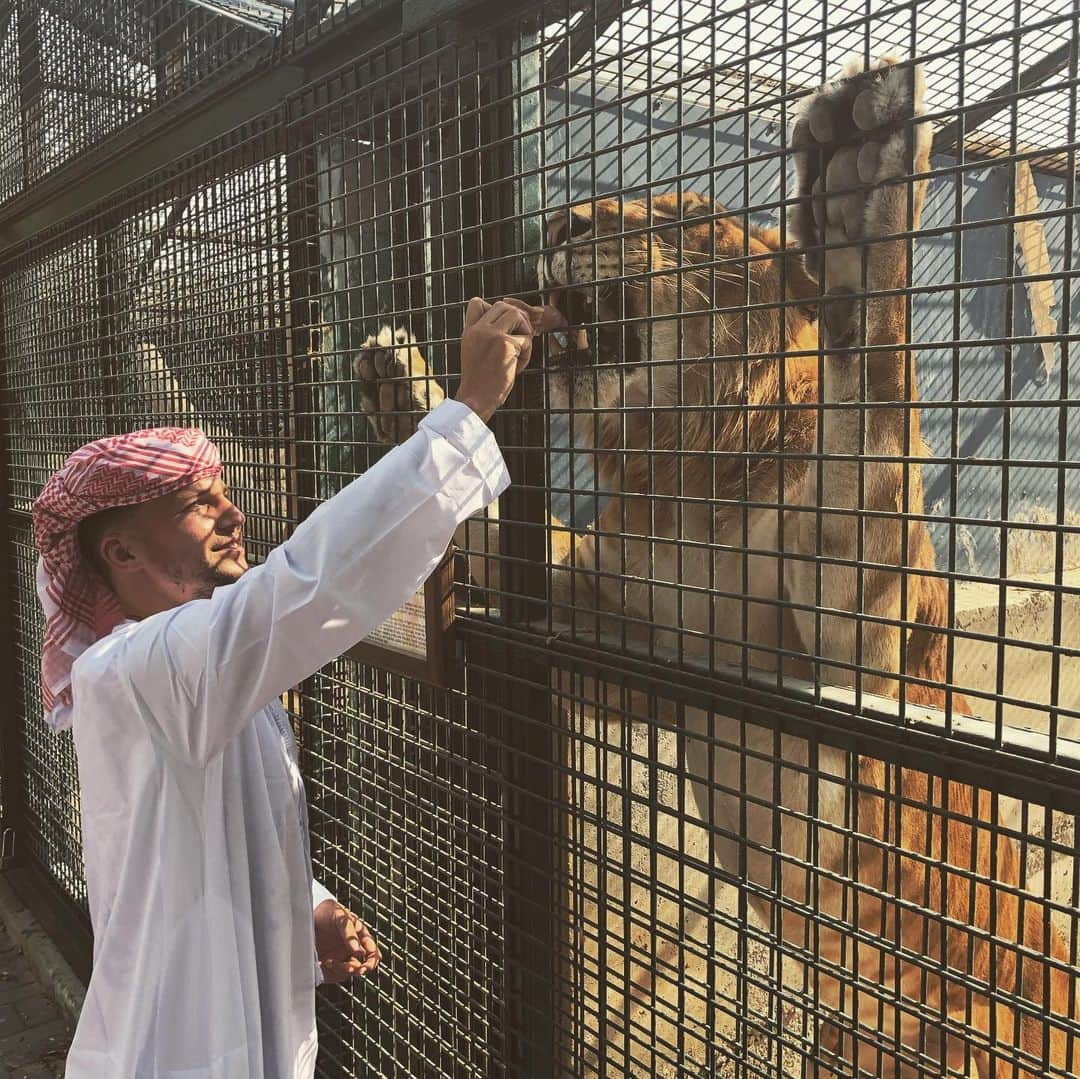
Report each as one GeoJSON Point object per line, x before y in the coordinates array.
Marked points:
{"type": "Point", "coordinates": [968, 753]}
{"type": "Point", "coordinates": [79, 18]}
{"type": "Point", "coordinates": [108, 278]}
{"type": "Point", "coordinates": [534, 953]}
{"type": "Point", "coordinates": [27, 216]}
{"type": "Point", "coordinates": [224, 11]}
{"type": "Point", "coordinates": [945, 138]}
{"type": "Point", "coordinates": [12, 778]}
{"type": "Point", "coordinates": [91, 91]}
{"type": "Point", "coordinates": [596, 19]}
{"type": "Point", "coordinates": [30, 85]}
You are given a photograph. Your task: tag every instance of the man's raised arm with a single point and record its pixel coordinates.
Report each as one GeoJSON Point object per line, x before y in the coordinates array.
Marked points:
{"type": "Point", "coordinates": [199, 672]}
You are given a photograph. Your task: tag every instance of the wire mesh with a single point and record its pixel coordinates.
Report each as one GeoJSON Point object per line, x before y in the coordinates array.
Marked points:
{"type": "Point", "coordinates": [762, 759]}
{"type": "Point", "coordinates": [72, 74]}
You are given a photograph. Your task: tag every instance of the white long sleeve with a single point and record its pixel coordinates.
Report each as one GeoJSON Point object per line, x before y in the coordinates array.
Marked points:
{"type": "Point", "coordinates": [203, 669]}
{"type": "Point", "coordinates": [320, 894]}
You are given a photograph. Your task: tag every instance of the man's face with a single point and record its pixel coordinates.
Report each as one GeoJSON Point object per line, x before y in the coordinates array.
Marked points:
{"type": "Point", "coordinates": [190, 542]}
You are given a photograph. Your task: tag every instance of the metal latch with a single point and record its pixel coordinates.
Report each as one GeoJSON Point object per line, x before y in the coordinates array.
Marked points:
{"type": "Point", "coordinates": [7, 845]}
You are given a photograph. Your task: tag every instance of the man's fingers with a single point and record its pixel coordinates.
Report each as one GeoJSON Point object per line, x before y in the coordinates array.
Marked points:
{"type": "Point", "coordinates": [551, 318]}
{"type": "Point", "coordinates": [350, 934]}
{"type": "Point", "coordinates": [508, 318]}
{"type": "Point", "coordinates": [478, 307]}
{"type": "Point", "coordinates": [542, 319]}
{"type": "Point", "coordinates": [524, 351]}
{"type": "Point", "coordinates": [339, 970]}
{"type": "Point", "coordinates": [365, 942]}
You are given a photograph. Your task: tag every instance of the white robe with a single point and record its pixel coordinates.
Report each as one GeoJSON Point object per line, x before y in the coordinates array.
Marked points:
{"type": "Point", "coordinates": [193, 811]}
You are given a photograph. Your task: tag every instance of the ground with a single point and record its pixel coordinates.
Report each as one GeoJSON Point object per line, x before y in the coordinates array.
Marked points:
{"type": "Point", "coordinates": [34, 1035]}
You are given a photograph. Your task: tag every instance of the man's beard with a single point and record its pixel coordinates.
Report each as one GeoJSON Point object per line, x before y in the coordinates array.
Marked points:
{"type": "Point", "coordinates": [215, 576]}
{"type": "Point", "coordinates": [218, 577]}
{"type": "Point", "coordinates": [202, 583]}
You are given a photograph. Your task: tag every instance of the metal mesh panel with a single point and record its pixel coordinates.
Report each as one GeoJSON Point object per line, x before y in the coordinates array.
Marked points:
{"type": "Point", "coordinates": [73, 74]}
{"type": "Point", "coordinates": [761, 754]}
{"type": "Point", "coordinates": [406, 809]}
{"type": "Point", "coordinates": [49, 797]}
{"type": "Point", "coordinates": [164, 309]}
{"type": "Point", "coordinates": [407, 784]}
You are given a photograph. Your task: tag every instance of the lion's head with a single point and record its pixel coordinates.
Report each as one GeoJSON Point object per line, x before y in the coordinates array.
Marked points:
{"type": "Point", "coordinates": [648, 284]}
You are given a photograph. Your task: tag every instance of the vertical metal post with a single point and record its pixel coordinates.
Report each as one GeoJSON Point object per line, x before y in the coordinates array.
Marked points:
{"type": "Point", "coordinates": [110, 297]}
{"type": "Point", "coordinates": [303, 309]}
{"type": "Point", "coordinates": [11, 785]}
{"type": "Point", "coordinates": [531, 754]}
{"type": "Point", "coordinates": [30, 85]}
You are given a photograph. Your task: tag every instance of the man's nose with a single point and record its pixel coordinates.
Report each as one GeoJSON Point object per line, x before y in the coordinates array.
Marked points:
{"type": "Point", "coordinates": [233, 517]}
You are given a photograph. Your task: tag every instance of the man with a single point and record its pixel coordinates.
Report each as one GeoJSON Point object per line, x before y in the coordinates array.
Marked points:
{"type": "Point", "coordinates": [210, 934]}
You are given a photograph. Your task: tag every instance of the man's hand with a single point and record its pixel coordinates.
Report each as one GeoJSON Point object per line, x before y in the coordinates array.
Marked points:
{"type": "Point", "coordinates": [495, 348]}
{"type": "Point", "coordinates": [343, 943]}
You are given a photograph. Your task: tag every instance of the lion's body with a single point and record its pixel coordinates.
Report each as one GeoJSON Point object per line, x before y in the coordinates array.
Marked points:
{"type": "Point", "coordinates": [900, 879]}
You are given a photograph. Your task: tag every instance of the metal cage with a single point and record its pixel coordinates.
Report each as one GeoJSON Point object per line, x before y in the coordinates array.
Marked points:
{"type": "Point", "coordinates": [758, 752]}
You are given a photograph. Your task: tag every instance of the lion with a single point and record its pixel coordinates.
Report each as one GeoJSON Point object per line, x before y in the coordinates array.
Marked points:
{"type": "Point", "coordinates": [776, 514]}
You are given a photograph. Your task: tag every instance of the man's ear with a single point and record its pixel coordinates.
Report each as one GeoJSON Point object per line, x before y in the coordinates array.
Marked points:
{"type": "Point", "coordinates": [117, 554]}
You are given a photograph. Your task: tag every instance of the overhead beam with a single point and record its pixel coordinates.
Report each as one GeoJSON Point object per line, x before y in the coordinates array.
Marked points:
{"type": "Point", "coordinates": [208, 112]}
{"type": "Point", "coordinates": [972, 118]}
{"type": "Point", "coordinates": [133, 155]}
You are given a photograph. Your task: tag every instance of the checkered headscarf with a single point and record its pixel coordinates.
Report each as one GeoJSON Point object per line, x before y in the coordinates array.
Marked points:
{"type": "Point", "coordinates": [79, 606]}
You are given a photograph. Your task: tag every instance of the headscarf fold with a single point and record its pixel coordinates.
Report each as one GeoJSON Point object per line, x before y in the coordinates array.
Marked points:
{"type": "Point", "coordinates": [80, 607]}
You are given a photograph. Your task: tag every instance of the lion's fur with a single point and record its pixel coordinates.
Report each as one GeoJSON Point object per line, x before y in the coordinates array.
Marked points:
{"type": "Point", "coordinates": [756, 408]}
{"type": "Point", "coordinates": [712, 447]}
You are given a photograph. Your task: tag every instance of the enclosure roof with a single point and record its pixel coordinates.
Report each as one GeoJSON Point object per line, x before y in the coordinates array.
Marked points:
{"type": "Point", "coordinates": [267, 15]}
{"type": "Point", "coordinates": [753, 56]}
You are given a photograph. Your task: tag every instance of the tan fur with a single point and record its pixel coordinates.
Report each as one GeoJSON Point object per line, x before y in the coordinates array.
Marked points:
{"type": "Point", "coordinates": [910, 874]}
{"type": "Point", "coordinates": [974, 853]}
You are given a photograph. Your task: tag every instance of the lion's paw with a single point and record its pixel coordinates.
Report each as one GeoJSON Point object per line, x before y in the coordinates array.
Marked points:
{"type": "Point", "coordinates": [396, 385]}
{"type": "Point", "coordinates": [855, 141]}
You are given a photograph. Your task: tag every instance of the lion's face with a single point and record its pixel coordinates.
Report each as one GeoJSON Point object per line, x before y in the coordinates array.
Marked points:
{"type": "Point", "coordinates": [600, 284]}
{"type": "Point", "coordinates": [639, 282]}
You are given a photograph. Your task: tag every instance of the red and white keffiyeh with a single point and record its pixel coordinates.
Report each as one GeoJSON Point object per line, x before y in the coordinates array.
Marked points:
{"type": "Point", "coordinates": [80, 608]}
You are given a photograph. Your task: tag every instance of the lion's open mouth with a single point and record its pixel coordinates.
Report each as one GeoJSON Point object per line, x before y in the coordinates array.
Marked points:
{"type": "Point", "coordinates": [595, 332]}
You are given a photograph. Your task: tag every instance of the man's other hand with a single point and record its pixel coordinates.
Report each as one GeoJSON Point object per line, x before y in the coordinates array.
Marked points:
{"type": "Point", "coordinates": [343, 943]}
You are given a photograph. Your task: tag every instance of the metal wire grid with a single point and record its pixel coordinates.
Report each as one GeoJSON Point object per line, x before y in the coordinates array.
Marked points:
{"type": "Point", "coordinates": [600, 144]}
{"type": "Point", "coordinates": [98, 337]}
{"type": "Point", "coordinates": [408, 813]}
{"type": "Point", "coordinates": [49, 798]}
{"type": "Point", "coordinates": [416, 178]}
{"type": "Point", "coordinates": [72, 74]}
{"type": "Point", "coordinates": [601, 141]}
{"type": "Point", "coordinates": [672, 962]}
{"type": "Point", "coordinates": [79, 72]}
{"type": "Point", "coordinates": [410, 788]}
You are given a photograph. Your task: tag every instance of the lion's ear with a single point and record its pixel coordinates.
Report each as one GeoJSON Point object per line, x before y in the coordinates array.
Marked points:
{"type": "Point", "coordinates": [697, 205]}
